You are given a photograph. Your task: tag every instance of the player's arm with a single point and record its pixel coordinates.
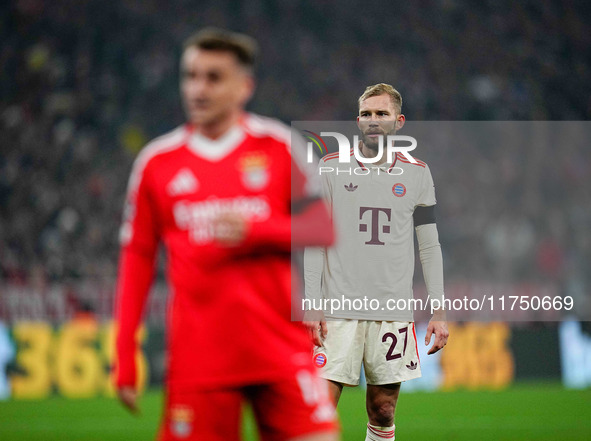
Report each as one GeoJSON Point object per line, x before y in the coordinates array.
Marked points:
{"type": "Point", "coordinates": [305, 223]}
{"type": "Point", "coordinates": [431, 259]}
{"type": "Point", "coordinates": [139, 240]}
{"type": "Point", "coordinates": [432, 263]}
{"type": "Point", "coordinates": [308, 224]}
{"type": "Point", "coordinates": [314, 259]}
{"type": "Point", "coordinates": [314, 320]}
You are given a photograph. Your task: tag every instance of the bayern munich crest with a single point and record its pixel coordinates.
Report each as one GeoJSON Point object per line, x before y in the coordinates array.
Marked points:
{"type": "Point", "coordinates": [399, 190]}
{"type": "Point", "coordinates": [320, 360]}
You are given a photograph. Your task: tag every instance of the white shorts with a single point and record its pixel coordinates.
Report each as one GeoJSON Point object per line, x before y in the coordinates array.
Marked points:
{"type": "Point", "coordinates": [388, 351]}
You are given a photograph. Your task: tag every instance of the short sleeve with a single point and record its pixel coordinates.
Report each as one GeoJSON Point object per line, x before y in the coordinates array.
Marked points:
{"type": "Point", "coordinates": [426, 196]}
{"type": "Point", "coordinates": [306, 183]}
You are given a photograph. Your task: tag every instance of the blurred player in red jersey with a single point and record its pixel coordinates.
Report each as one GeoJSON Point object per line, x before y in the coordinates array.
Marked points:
{"type": "Point", "coordinates": [217, 192]}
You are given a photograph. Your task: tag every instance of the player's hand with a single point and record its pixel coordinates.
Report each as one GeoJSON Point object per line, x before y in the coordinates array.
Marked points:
{"type": "Point", "coordinates": [229, 229]}
{"type": "Point", "coordinates": [439, 328]}
{"type": "Point", "coordinates": [315, 323]}
{"type": "Point", "coordinates": [128, 397]}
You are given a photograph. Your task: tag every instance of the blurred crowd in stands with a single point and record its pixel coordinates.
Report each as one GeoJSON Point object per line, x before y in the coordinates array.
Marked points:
{"type": "Point", "coordinates": [86, 83]}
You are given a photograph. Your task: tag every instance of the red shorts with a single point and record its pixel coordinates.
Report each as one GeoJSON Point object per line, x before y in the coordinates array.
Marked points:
{"type": "Point", "coordinates": [283, 410]}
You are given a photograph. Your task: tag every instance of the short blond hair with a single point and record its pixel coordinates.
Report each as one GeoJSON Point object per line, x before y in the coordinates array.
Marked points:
{"type": "Point", "coordinates": [383, 89]}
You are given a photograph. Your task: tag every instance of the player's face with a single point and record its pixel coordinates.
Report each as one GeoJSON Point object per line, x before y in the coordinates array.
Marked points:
{"type": "Point", "coordinates": [214, 86]}
{"type": "Point", "coordinates": [378, 117]}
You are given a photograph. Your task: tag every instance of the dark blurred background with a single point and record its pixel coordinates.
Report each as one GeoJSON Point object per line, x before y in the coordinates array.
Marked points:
{"type": "Point", "coordinates": [86, 83]}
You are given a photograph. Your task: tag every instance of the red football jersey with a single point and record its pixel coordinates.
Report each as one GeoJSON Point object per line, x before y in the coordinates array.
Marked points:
{"type": "Point", "coordinates": [229, 307]}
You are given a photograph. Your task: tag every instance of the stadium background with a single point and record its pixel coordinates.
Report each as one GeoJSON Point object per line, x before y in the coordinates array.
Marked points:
{"type": "Point", "coordinates": [84, 84]}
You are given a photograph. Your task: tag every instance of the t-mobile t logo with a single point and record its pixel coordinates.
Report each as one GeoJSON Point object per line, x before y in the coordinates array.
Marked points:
{"type": "Point", "coordinates": [375, 223]}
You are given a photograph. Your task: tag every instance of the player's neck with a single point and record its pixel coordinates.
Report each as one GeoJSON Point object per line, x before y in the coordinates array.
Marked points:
{"type": "Point", "coordinates": [369, 153]}
{"type": "Point", "coordinates": [218, 128]}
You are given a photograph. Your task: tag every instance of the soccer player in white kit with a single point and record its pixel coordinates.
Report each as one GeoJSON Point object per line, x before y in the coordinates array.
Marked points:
{"type": "Point", "coordinates": [375, 207]}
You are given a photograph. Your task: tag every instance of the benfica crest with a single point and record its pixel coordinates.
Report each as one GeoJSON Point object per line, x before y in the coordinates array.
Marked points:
{"type": "Point", "coordinates": [181, 421]}
{"type": "Point", "coordinates": [254, 170]}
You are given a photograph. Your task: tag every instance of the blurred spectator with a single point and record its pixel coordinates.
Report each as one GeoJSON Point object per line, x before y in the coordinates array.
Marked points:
{"type": "Point", "coordinates": [80, 80]}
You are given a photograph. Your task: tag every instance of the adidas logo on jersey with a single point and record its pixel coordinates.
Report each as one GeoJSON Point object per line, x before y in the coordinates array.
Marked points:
{"type": "Point", "coordinates": [351, 187]}
{"type": "Point", "coordinates": [184, 182]}
{"type": "Point", "coordinates": [412, 366]}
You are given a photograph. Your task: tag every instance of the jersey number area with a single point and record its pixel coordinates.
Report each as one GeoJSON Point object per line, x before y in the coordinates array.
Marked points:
{"type": "Point", "coordinates": [390, 355]}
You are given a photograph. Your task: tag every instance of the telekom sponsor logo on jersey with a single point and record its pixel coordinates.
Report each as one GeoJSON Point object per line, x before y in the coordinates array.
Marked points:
{"type": "Point", "coordinates": [197, 217]}
{"type": "Point", "coordinates": [374, 224]}
{"type": "Point", "coordinates": [345, 148]}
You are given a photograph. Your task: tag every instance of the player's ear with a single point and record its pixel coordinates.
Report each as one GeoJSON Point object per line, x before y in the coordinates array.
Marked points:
{"type": "Point", "coordinates": [248, 88]}
{"type": "Point", "coordinates": [358, 122]}
{"type": "Point", "coordinates": [400, 121]}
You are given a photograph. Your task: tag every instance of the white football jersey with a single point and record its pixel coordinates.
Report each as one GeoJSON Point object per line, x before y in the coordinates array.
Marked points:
{"type": "Point", "coordinates": [373, 256]}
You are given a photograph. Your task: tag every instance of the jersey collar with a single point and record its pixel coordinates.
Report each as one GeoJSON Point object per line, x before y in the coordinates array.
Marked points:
{"type": "Point", "coordinates": [384, 165]}
{"type": "Point", "coordinates": [216, 149]}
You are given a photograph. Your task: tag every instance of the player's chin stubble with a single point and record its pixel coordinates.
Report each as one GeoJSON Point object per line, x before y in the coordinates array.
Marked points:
{"type": "Point", "coordinates": [372, 143]}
